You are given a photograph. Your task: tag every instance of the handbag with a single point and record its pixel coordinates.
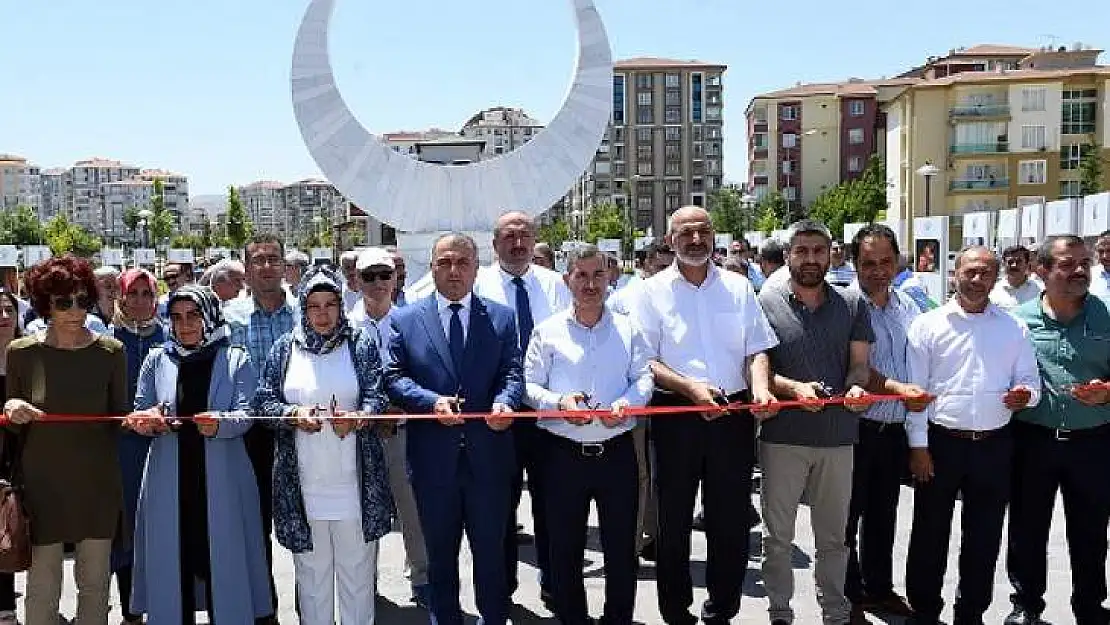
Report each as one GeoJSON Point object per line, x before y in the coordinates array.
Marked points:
{"type": "Point", "coordinates": [15, 528]}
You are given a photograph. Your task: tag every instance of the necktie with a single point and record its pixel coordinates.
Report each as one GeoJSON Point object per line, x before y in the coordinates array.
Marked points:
{"type": "Point", "coordinates": [524, 321]}
{"type": "Point", "coordinates": [455, 338]}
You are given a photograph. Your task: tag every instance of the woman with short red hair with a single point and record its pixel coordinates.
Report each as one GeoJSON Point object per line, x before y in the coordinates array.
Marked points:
{"type": "Point", "coordinates": [70, 471]}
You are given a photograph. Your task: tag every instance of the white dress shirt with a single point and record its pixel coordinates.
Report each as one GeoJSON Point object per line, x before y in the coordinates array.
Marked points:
{"type": "Point", "coordinates": [704, 332]}
{"type": "Point", "coordinates": [621, 301]}
{"type": "Point", "coordinates": [1008, 298]}
{"type": "Point", "coordinates": [445, 314]}
{"type": "Point", "coordinates": [969, 361]}
{"type": "Point", "coordinates": [547, 293]}
{"type": "Point", "coordinates": [1100, 282]}
{"type": "Point", "coordinates": [359, 318]}
{"type": "Point", "coordinates": [608, 362]}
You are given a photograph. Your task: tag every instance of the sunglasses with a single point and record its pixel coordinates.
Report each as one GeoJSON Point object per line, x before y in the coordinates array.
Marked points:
{"type": "Point", "coordinates": [383, 275]}
{"type": "Point", "coordinates": [83, 301]}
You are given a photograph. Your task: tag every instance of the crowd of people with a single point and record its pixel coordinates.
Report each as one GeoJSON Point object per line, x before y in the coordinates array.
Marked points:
{"type": "Point", "coordinates": [320, 407]}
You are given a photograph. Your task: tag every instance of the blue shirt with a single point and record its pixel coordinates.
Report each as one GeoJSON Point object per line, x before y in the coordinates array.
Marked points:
{"type": "Point", "coordinates": [258, 330]}
{"type": "Point", "coordinates": [888, 353]}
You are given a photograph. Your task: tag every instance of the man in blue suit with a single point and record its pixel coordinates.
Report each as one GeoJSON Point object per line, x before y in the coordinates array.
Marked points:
{"type": "Point", "coordinates": [455, 352]}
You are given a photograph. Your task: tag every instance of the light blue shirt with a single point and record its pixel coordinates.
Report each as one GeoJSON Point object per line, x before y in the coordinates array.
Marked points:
{"type": "Point", "coordinates": [608, 362]}
{"type": "Point", "coordinates": [92, 323]}
{"type": "Point", "coordinates": [888, 356]}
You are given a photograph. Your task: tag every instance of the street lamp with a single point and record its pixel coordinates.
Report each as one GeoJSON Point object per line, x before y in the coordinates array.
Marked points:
{"type": "Point", "coordinates": [145, 216]}
{"type": "Point", "coordinates": [928, 171]}
{"type": "Point", "coordinates": [576, 224]}
{"type": "Point", "coordinates": [316, 221]}
{"type": "Point", "coordinates": [747, 202]}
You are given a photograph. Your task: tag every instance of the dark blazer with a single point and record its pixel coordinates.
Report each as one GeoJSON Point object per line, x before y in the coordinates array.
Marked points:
{"type": "Point", "coordinates": [420, 371]}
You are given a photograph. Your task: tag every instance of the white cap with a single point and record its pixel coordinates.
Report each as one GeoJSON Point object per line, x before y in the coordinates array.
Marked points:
{"type": "Point", "coordinates": [374, 256]}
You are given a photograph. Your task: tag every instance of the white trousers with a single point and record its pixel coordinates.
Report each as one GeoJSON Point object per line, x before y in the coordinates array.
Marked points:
{"type": "Point", "coordinates": [340, 555]}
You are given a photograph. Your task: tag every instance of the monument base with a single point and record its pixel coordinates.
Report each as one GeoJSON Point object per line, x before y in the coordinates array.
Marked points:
{"type": "Point", "coordinates": [416, 248]}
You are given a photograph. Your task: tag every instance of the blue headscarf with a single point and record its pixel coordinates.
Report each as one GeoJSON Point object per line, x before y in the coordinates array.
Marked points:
{"type": "Point", "coordinates": [215, 330]}
{"type": "Point", "coordinates": [321, 279]}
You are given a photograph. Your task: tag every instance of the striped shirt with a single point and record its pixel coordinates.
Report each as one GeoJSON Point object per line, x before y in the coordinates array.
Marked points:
{"type": "Point", "coordinates": [258, 330]}
{"type": "Point", "coordinates": [888, 352]}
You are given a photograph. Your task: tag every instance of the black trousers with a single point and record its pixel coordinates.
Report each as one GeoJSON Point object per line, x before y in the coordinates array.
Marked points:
{"type": "Point", "coordinates": [716, 455]}
{"type": "Point", "coordinates": [259, 442]}
{"type": "Point", "coordinates": [607, 475]}
{"type": "Point", "coordinates": [880, 460]}
{"type": "Point", "coordinates": [1079, 468]}
{"type": "Point", "coordinates": [979, 471]}
{"type": "Point", "coordinates": [7, 591]}
{"type": "Point", "coordinates": [530, 448]}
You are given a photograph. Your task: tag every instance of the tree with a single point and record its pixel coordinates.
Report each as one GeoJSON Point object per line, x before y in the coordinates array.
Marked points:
{"type": "Point", "coordinates": [20, 226]}
{"type": "Point", "coordinates": [1090, 168]}
{"type": "Point", "coordinates": [131, 218]}
{"type": "Point", "coordinates": [65, 237]}
{"type": "Point", "coordinates": [852, 201]}
{"type": "Point", "coordinates": [605, 221]}
{"type": "Point", "coordinates": [238, 224]}
{"type": "Point", "coordinates": [193, 242]}
{"type": "Point", "coordinates": [771, 213]}
{"type": "Point", "coordinates": [161, 223]}
{"type": "Point", "coordinates": [554, 233]}
{"type": "Point", "coordinates": [727, 210]}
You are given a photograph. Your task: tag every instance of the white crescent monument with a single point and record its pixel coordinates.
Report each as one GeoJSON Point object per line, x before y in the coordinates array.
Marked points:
{"type": "Point", "coordinates": [421, 199]}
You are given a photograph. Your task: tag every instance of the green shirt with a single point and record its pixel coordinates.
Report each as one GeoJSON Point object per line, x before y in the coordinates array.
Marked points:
{"type": "Point", "coordinates": [1072, 353]}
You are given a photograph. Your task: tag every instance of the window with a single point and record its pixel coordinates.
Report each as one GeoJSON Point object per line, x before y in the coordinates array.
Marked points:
{"type": "Point", "coordinates": [645, 115]}
{"type": "Point", "coordinates": [674, 169]}
{"type": "Point", "coordinates": [1078, 117]}
{"type": "Point", "coordinates": [618, 100]}
{"type": "Point", "coordinates": [787, 167]}
{"type": "Point", "coordinates": [673, 202]}
{"type": "Point", "coordinates": [674, 98]}
{"type": "Point", "coordinates": [643, 169]}
{"type": "Point", "coordinates": [1071, 188]}
{"type": "Point", "coordinates": [618, 152]}
{"type": "Point", "coordinates": [699, 149]}
{"type": "Point", "coordinates": [1031, 172]}
{"type": "Point", "coordinates": [673, 151]}
{"type": "Point", "coordinates": [674, 81]}
{"type": "Point", "coordinates": [760, 115]}
{"type": "Point", "coordinates": [645, 187]}
{"type": "Point", "coordinates": [1072, 155]}
{"type": "Point", "coordinates": [789, 140]}
{"type": "Point", "coordinates": [672, 115]}
{"type": "Point", "coordinates": [643, 81]}
{"type": "Point", "coordinates": [673, 186]}
{"type": "Point", "coordinates": [759, 140]}
{"type": "Point", "coordinates": [644, 98]}
{"type": "Point", "coordinates": [714, 80]}
{"type": "Point", "coordinates": [855, 108]}
{"type": "Point", "coordinates": [672, 133]}
{"type": "Point", "coordinates": [713, 132]}
{"type": "Point", "coordinates": [790, 193]}
{"type": "Point", "coordinates": [1032, 98]}
{"type": "Point", "coordinates": [643, 135]}
{"type": "Point", "coordinates": [699, 133]}
{"type": "Point", "coordinates": [618, 135]}
{"type": "Point", "coordinates": [643, 152]}
{"type": "Point", "coordinates": [696, 98]}
{"type": "Point", "coordinates": [1033, 138]}
{"type": "Point", "coordinates": [697, 185]}
{"type": "Point", "coordinates": [855, 136]}
{"type": "Point", "coordinates": [855, 164]}
{"type": "Point", "coordinates": [788, 112]}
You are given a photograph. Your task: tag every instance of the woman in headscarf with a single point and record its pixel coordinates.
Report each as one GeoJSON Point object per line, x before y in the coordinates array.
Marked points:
{"type": "Point", "coordinates": [198, 531]}
{"type": "Point", "coordinates": [331, 492]}
{"type": "Point", "coordinates": [139, 329]}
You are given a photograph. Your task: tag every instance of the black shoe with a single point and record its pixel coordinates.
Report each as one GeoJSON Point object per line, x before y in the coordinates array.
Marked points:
{"type": "Point", "coordinates": [780, 622]}
{"type": "Point", "coordinates": [1021, 616]}
{"type": "Point", "coordinates": [548, 601]}
{"type": "Point", "coordinates": [648, 552]}
{"type": "Point", "coordinates": [699, 522]}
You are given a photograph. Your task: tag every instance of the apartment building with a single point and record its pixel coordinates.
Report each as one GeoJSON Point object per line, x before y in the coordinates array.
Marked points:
{"type": "Point", "coordinates": [405, 141]}
{"type": "Point", "coordinates": [19, 182]}
{"type": "Point", "coordinates": [502, 129]}
{"type": "Point", "coordinates": [312, 206]}
{"type": "Point", "coordinates": [665, 144]}
{"type": "Point", "coordinates": [263, 202]}
{"type": "Point", "coordinates": [84, 202]}
{"type": "Point", "coordinates": [175, 194]}
{"type": "Point", "coordinates": [52, 186]}
{"type": "Point", "coordinates": [1006, 137]}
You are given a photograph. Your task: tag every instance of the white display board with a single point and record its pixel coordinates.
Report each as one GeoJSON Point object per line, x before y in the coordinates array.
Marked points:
{"type": "Point", "coordinates": [35, 254]}
{"type": "Point", "coordinates": [1032, 223]}
{"type": "Point", "coordinates": [218, 252]}
{"type": "Point", "coordinates": [180, 255]}
{"type": "Point", "coordinates": [145, 256]}
{"type": "Point", "coordinates": [930, 245]}
{"type": "Point", "coordinates": [1009, 227]}
{"type": "Point", "coordinates": [722, 240]}
{"type": "Point", "coordinates": [321, 253]}
{"type": "Point", "coordinates": [978, 228]}
{"type": "Point", "coordinates": [755, 238]}
{"type": "Point", "coordinates": [1061, 217]}
{"type": "Point", "coordinates": [9, 256]}
{"type": "Point", "coordinates": [850, 231]}
{"type": "Point", "coordinates": [1096, 214]}
{"type": "Point", "coordinates": [609, 246]}
{"type": "Point", "coordinates": [643, 242]}
{"type": "Point", "coordinates": [112, 256]}
{"type": "Point", "coordinates": [780, 235]}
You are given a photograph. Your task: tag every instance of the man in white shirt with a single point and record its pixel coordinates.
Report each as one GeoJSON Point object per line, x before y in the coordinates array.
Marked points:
{"type": "Point", "coordinates": [710, 337]}
{"type": "Point", "coordinates": [980, 365]}
{"type": "Point", "coordinates": [351, 294]}
{"type": "Point", "coordinates": [1016, 287]}
{"type": "Point", "coordinates": [1100, 276]}
{"type": "Point", "coordinates": [657, 257]}
{"type": "Point", "coordinates": [378, 277]}
{"type": "Point", "coordinates": [535, 294]}
{"type": "Point", "coordinates": [589, 358]}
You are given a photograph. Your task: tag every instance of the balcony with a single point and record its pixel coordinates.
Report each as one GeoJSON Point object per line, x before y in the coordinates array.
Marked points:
{"type": "Point", "coordinates": [978, 184]}
{"type": "Point", "coordinates": [998, 147]}
{"type": "Point", "coordinates": [980, 111]}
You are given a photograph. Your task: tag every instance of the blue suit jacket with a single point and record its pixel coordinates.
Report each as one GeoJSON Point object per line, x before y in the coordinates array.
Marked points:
{"type": "Point", "coordinates": [420, 371]}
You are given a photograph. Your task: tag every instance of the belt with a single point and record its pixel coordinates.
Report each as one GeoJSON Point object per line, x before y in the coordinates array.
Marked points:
{"type": "Point", "coordinates": [591, 450]}
{"type": "Point", "coordinates": [1063, 434]}
{"type": "Point", "coordinates": [970, 435]}
{"type": "Point", "coordinates": [880, 426]}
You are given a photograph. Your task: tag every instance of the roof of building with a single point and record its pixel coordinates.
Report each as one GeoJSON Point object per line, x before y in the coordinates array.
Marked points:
{"type": "Point", "coordinates": [1018, 75]}
{"type": "Point", "coordinates": [654, 61]}
{"type": "Point", "coordinates": [264, 184]}
{"type": "Point", "coordinates": [478, 118]}
{"type": "Point", "coordinates": [12, 158]}
{"type": "Point", "coordinates": [98, 161]}
{"type": "Point", "coordinates": [159, 173]}
{"type": "Point", "coordinates": [850, 87]}
{"type": "Point", "coordinates": [54, 171]}
{"type": "Point", "coordinates": [993, 49]}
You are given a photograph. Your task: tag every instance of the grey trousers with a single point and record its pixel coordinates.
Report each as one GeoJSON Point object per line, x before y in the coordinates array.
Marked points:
{"type": "Point", "coordinates": [416, 554]}
{"type": "Point", "coordinates": [824, 474]}
{"type": "Point", "coordinates": [647, 518]}
{"type": "Point", "coordinates": [90, 573]}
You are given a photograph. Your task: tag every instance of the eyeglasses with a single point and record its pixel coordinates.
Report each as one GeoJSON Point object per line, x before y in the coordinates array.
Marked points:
{"type": "Point", "coordinates": [370, 276]}
{"type": "Point", "coordinates": [262, 261]}
{"type": "Point", "coordinates": [83, 301]}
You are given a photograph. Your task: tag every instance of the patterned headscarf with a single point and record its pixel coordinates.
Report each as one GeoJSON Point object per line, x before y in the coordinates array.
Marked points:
{"type": "Point", "coordinates": [208, 304]}
{"type": "Point", "coordinates": [321, 279]}
{"type": "Point", "coordinates": [144, 327]}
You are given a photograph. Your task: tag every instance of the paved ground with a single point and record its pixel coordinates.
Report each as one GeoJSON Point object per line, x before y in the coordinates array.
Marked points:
{"type": "Point", "coordinates": [395, 608]}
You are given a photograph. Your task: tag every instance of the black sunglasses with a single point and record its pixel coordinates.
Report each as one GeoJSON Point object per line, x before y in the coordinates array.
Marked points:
{"type": "Point", "coordinates": [83, 301]}
{"type": "Point", "coordinates": [370, 275]}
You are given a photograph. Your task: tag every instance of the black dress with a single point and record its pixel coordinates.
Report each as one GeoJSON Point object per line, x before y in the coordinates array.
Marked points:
{"type": "Point", "coordinates": [194, 376]}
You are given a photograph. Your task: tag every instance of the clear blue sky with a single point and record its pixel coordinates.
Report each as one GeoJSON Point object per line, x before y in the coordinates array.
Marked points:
{"type": "Point", "coordinates": [201, 86]}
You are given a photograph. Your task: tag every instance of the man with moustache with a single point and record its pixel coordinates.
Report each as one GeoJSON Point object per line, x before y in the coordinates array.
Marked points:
{"type": "Point", "coordinates": [589, 358]}
{"type": "Point", "coordinates": [1061, 445]}
{"type": "Point", "coordinates": [710, 339]}
{"type": "Point", "coordinates": [881, 453]}
{"type": "Point", "coordinates": [1016, 287]}
{"type": "Point", "coordinates": [535, 294]}
{"type": "Point", "coordinates": [1100, 275]}
{"type": "Point", "coordinates": [378, 278]}
{"type": "Point", "coordinates": [979, 363]}
{"type": "Point", "coordinates": [824, 339]}
{"type": "Point", "coordinates": [543, 256]}
{"type": "Point", "coordinates": [455, 352]}
{"type": "Point", "coordinates": [401, 276]}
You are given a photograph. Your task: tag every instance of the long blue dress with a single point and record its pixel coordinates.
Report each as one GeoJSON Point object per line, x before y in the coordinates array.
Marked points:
{"type": "Point", "coordinates": [240, 574]}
